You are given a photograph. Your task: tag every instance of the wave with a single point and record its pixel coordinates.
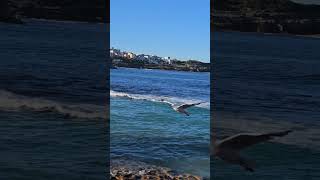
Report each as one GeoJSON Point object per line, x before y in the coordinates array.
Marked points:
{"type": "Point", "coordinates": [155, 98]}
{"type": "Point", "coordinates": [13, 102]}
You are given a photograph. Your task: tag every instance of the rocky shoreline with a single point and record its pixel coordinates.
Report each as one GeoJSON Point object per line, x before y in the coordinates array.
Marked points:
{"type": "Point", "coordinates": [277, 16]}
{"type": "Point", "coordinates": [295, 26]}
{"type": "Point", "coordinates": [190, 66]}
{"type": "Point", "coordinates": [12, 11]}
{"type": "Point", "coordinates": [163, 67]}
{"type": "Point", "coordinates": [124, 170]}
{"type": "Point", "coordinates": [8, 13]}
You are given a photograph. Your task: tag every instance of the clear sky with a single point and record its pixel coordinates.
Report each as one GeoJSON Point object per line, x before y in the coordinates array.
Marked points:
{"type": "Point", "coordinates": [176, 28]}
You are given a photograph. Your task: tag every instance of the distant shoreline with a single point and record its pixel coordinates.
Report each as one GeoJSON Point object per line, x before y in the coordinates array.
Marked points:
{"type": "Point", "coordinates": [158, 69]}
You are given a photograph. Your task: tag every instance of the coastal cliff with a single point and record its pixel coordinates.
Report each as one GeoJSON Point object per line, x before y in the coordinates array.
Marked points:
{"type": "Point", "coordinates": [266, 16]}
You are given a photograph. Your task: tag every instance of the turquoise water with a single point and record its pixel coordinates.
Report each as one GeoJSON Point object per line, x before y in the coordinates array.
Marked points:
{"type": "Point", "coordinates": [144, 129]}
{"type": "Point", "coordinates": [266, 83]}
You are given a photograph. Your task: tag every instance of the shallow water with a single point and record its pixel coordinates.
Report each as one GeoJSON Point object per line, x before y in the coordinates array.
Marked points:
{"type": "Point", "coordinates": [144, 129]}
{"type": "Point", "coordinates": [265, 83]}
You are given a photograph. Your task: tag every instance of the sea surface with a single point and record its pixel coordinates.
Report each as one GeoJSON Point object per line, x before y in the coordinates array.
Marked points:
{"type": "Point", "coordinates": [265, 83]}
{"type": "Point", "coordinates": [53, 101]}
{"type": "Point", "coordinates": [146, 130]}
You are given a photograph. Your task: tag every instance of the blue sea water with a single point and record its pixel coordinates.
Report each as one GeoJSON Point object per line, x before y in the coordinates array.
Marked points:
{"type": "Point", "coordinates": [266, 83]}
{"type": "Point", "coordinates": [144, 129]}
{"type": "Point", "coordinates": [53, 100]}
{"type": "Point", "coordinates": [52, 107]}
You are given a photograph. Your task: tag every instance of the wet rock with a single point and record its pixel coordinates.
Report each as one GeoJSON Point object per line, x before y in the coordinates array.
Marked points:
{"type": "Point", "coordinates": [139, 171]}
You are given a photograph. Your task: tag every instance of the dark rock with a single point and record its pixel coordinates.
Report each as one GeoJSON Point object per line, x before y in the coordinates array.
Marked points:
{"type": "Point", "coordinates": [128, 170]}
{"type": "Point", "coordinates": [74, 10]}
{"type": "Point", "coordinates": [266, 16]}
{"type": "Point", "coordinates": [8, 14]}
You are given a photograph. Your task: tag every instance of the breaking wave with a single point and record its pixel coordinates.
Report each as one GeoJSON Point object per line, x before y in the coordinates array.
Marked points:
{"type": "Point", "coordinates": [13, 102]}
{"type": "Point", "coordinates": [154, 98]}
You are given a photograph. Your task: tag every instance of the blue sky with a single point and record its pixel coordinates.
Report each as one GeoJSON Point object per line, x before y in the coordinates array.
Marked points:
{"type": "Point", "coordinates": [175, 28]}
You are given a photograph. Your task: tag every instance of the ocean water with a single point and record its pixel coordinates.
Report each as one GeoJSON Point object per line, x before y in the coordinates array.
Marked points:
{"type": "Point", "coordinates": [146, 130]}
{"type": "Point", "coordinates": [266, 83]}
{"type": "Point", "coordinates": [53, 98]}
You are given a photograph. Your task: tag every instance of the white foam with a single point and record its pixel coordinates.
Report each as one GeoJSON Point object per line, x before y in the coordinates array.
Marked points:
{"type": "Point", "coordinates": [153, 98]}
{"type": "Point", "coordinates": [13, 102]}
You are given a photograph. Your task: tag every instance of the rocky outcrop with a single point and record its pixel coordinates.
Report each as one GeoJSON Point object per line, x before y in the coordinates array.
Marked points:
{"type": "Point", "coordinates": [183, 66]}
{"type": "Point", "coordinates": [140, 171]}
{"type": "Point", "coordinates": [268, 16]}
{"type": "Point", "coordinates": [74, 10]}
{"type": "Point", "coordinates": [8, 13]}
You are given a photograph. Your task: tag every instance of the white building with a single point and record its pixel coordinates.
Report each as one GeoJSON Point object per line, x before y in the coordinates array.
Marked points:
{"type": "Point", "coordinates": [115, 52]}
{"type": "Point", "coordinates": [168, 59]}
{"type": "Point", "coordinates": [129, 55]}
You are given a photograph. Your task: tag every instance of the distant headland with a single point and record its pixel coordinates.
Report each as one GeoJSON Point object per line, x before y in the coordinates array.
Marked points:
{"type": "Point", "coordinates": [131, 60]}
{"type": "Point", "coordinates": [266, 16]}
